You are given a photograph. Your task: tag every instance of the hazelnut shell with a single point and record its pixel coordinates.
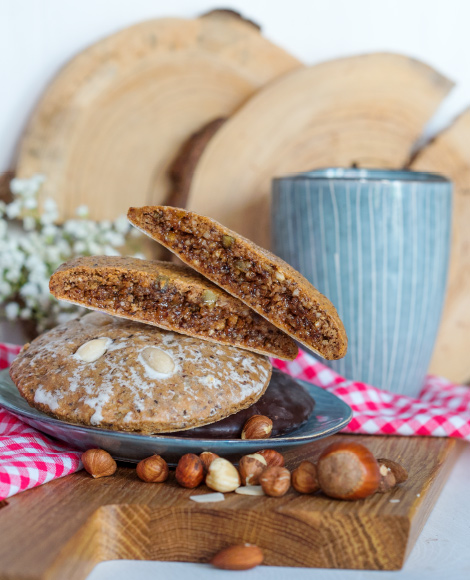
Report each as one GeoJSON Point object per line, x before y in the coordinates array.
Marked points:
{"type": "Point", "coordinates": [189, 471]}
{"type": "Point", "coordinates": [273, 458]}
{"type": "Point", "coordinates": [153, 469]}
{"type": "Point", "coordinates": [98, 463]}
{"type": "Point", "coordinates": [304, 478]}
{"type": "Point", "coordinates": [257, 427]}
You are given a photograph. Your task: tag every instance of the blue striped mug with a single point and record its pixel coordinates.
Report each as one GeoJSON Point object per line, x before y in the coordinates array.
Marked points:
{"type": "Point", "coordinates": [376, 243]}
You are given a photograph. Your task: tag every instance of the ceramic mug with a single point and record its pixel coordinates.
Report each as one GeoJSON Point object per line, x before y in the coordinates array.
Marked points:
{"type": "Point", "coordinates": [376, 243]}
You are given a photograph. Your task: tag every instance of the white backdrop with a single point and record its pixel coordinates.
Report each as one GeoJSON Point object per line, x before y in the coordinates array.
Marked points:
{"type": "Point", "coordinates": [37, 37]}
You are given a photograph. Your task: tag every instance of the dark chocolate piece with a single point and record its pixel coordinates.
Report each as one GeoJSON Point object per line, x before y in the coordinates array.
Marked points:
{"type": "Point", "coordinates": [285, 402]}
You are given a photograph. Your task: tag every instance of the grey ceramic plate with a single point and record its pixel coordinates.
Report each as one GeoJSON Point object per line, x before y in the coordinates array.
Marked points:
{"type": "Point", "coordinates": [330, 415]}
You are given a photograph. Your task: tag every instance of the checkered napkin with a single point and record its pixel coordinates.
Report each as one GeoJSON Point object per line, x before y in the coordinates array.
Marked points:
{"type": "Point", "coordinates": [442, 409]}
{"type": "Point", "coordinates": [28, 458]}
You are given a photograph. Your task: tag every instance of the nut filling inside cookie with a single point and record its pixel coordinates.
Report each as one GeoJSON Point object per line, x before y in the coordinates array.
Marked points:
{"type": "Point", "coordinates": [165, 304]}
{"type": "Point", "coordinates": [229, 262]}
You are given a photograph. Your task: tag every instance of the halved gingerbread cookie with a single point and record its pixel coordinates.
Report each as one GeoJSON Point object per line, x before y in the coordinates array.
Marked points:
{"type": "Point", "coordinates": [122, 375]}
{"type": "Point", "coordinates": [260, 279]}
{"type": "Point", "coordinates": [170, 296]}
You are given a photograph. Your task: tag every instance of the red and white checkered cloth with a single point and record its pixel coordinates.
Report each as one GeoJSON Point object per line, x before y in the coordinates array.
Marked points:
{"type": "Point", "coordinates": [442, 409]}
{"type": "Point", "coordinates": [28, 458]}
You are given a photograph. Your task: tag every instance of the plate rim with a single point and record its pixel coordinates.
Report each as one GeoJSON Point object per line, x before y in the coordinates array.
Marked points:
{"type": "Point", "coordinates": [37, 415]}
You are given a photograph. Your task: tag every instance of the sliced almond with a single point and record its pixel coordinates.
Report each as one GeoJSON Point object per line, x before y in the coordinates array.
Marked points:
{"type": "Point", "coordinates": [158, 360]}
{"type": "Point", "coordinates": [94, 349]}
{"type": "Point", "coordinates": [250, 490]}
{"type": "Point", "coordinates": [208, 497]}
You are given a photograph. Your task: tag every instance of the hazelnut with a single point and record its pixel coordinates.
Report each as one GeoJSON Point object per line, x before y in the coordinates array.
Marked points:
{"type": "Point", "coordinates": [222, 476]}
{"type": "Point", "coordinates": [304, 478]}
{"type": "Point", "coordinates": [207, 457]}
{"type": "Point", "coordinates": [272, 457]}
{"type": "Point", "coordinates": [398, 470]}
{"type": "Point", "coordinates": [242, 557]}
{"type": "Point", "coordinates": [275, 481]}
{"type": "Point", "coordinates": [387, 479]}
{"type": "Point", "coordinates": [251, 467]}
{"type": "Point", "coordinates": [98, 463]}
{"type": "Point", "coordinates": [348, 470]}
{"type": "Point", "coordinates": [189, 471]}
{"type": "Point", "coordinates": [153, 469]}
{"type": "Point", "coordinates": [257, 427]}
{"type": "Point", "coordinates": [227, 241]}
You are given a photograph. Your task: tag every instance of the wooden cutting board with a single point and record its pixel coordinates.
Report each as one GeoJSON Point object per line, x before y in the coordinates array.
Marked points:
{"type": "Point", "coordinates": [64, 528]}
{"type": "Point", "coordinates": [110, 124]}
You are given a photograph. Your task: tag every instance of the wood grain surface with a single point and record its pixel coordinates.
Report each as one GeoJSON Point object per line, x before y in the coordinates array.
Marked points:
{"type": "Point", "coordinates": [366, 111]}
{"type": "Point", "coordinates": [64, 528]}
{"type": "Point", "coordinates": [109, 125]}
{"type": "Point", "coordinates": [449, 154]}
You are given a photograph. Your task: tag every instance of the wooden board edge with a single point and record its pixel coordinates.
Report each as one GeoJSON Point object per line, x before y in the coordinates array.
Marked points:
{"type": "Point", "coordinates": [420, 515]}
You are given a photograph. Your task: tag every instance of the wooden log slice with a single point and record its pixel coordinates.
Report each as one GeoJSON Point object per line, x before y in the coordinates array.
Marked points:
{"type": "Point", "coordinates": [110, 124]}
{"type": "Point", "coordinates": [449, 154]}
{"type": "Point", "coordinates": [366, 111]}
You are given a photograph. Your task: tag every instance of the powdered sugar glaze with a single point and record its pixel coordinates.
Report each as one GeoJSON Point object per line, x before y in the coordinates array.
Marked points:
{"type": "Point", "coordinates": [120, 390]}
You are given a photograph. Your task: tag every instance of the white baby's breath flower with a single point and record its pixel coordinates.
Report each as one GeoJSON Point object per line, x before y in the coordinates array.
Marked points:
{"type": "Point", "coordinates": [79, 247]}
{"type": "Point", "coordinates": [25, 313]}
{"type": "Point", "coordinates": [121, 225]}
{"type": "Point", "coordinates": [31, 250]}
{"type": "Point", "coordinates": [93, 248]}
{"type": "Point", "coordinates": [30, 203]}
{"type": "Point", "coordinates": [11, 310]}
{"type": "Point", "coordinates": [105, 225]}
{"type": "Point", "coordinates": [5, 290]}
{"type": "Point", "coordinates": [110, 251]}
{"type": "Point", "coordinates": [82, 211]}
{"type": "Point", "coordinates": [13, 210]}
{"type": "Point", "coordinates": [29, 223]}
{"type": "Point", "coordinates": [29, 289]}
{"type": "Point", "coordinates": [50, 213]}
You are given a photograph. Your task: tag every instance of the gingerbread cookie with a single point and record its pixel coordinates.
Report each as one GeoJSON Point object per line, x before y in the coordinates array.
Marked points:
{"type": "Point", "coordinates": [255, 276]}
{"type": "Point", "coordinates": [170, 296]}
{"type": "Point", "coordinates": [122, 375]}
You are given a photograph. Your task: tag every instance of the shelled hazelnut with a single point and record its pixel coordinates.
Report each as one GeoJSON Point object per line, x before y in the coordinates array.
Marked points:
{"type": "Point", "coordinates": [391, 474]}
{"type": "Point", "coordinates": [251, 467]}
{"type": "Point", "coordinates": [275, 481]}
{"type": "Point", "coordinates": [222, 476]}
